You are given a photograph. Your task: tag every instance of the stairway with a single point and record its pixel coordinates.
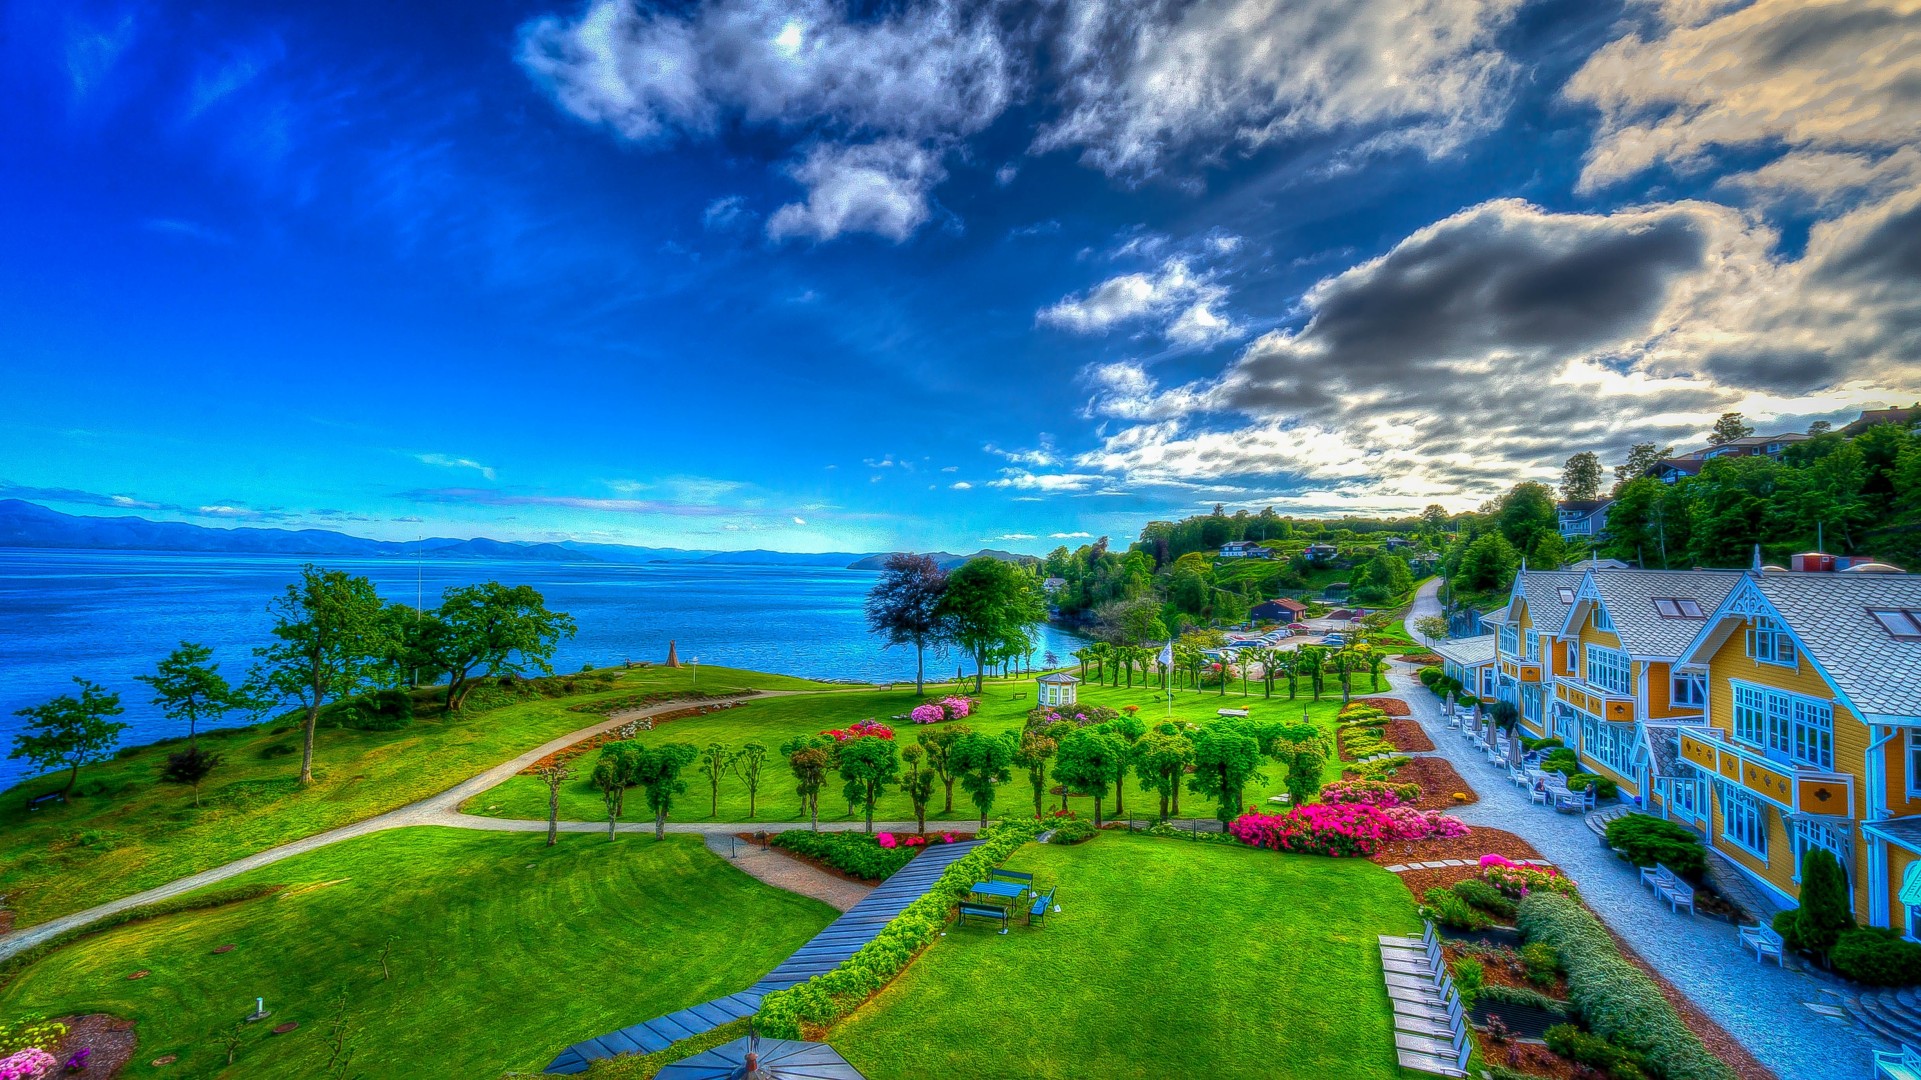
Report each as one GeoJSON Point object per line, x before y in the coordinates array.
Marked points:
{"type": "Point", "coordinates": [1597, 820]}
{"type": "Point", "coordinates": [1894, 1015]}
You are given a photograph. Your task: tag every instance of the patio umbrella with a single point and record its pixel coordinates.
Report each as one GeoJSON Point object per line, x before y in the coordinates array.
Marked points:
{"type": "Point", "coordinates": [1514, 751]}
{"type": "Point", "coordinates": [755, 1058]}
{"type": "Point", "coordinates": [1450, 703]}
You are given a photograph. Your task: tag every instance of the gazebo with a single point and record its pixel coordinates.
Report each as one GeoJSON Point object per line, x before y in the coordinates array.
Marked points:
{"type": "Point", "coordinates": [1058, 688]}
{"type": "Point", "coordinates": [755, 1058]}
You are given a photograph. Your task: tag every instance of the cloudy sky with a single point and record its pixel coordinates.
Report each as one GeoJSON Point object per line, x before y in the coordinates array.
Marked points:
{"type": "Point", "coordinates": [797, 274]}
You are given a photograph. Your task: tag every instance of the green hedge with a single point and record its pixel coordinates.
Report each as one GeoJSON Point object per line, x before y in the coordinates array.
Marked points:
{"type": "Point", "coordinates": [856, 854]}
{"type": "Point", "coordinates": [1647, 840]}
{"type": "Point", "coordinates": [826, 998]}
{"type": "Point", "coordinates": [1615, 999]}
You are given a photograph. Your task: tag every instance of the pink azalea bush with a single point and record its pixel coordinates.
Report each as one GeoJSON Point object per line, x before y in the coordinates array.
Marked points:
{"type": "Point", "coordinates": [29, 1064]}
{"type": "Point", "coordinates": [1378, 793]}
{"type": "Point", "coordinates": [1516, 880]}
{"type": "Point", "coordinates": [1342, 829]}
{"type": "Point", "coordinates": [952, 707]}
{"type": "Point", "coordinates": [930, 713]}
{"type": "Point", "coordinates": [859, 728]}
{"type": "Point", "coordinates": [958, 708]}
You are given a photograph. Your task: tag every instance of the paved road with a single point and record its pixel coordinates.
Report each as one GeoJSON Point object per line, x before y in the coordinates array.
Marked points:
{"type": "Point", "coordinates": [1427, 601]}
{"type": "Point", "coordinates": [441, 809]}
{"type": "Point", "coordinates": [1765, 1007]}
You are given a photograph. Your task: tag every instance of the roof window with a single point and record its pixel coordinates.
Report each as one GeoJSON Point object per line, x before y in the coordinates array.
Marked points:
{"type": "Point", "coordinates": [1898, 622]}
{"type": "Point", "coordinates": [1677, 608]}
{"type": "Point", "coordinates": [1567, 595]}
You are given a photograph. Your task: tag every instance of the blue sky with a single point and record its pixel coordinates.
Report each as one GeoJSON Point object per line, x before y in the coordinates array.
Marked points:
{"type": "Point", "coordinates": [807, 276]}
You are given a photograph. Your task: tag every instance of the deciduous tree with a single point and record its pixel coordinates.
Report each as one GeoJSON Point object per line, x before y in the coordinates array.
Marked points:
{"type": "Point", "coordinates": [1581, 477]}
{"type": "Point", "coordinates": [1226, 759]}
{"type": "Point", "coordinates": [939, 745]}
{"type": "Point", "coordinates": [69, 731]}
{"type": "Point", "coordinates": [810, 764]}
{"type": "Point", "coordinates": [554, 774]}
{"type": "Point", "coordinates": [1160, 760]}
{"type": "Point", "coordinates": [715, 762]}
{"type": "Point", "coordinates": [989, 606]}
{"type": "Point", "coordinates": [1731, 426]}
{"type": "Point", "coordinates": [868, 764]}
{"type": "Point", "coordinates": [1088, 761]}
{"type": "Point", "coordinates": [657, 772]}
{"type": "Point", "coordinates": [904, 607]}
{"type": "Point", "coordinates": [747, 763]}
{"type": "Point", "coordinates": [917, 784]}
{"type": "Point", "coordinates": [1035, 751]}
{"type": "Point", "coordinates": [330, 641]}
{"type": "Point", "coordinates": [982, 763]}
{"type": "Point", "coordinates": [490, 630]}
{"type": "Point", "coordinates": [187, 686]}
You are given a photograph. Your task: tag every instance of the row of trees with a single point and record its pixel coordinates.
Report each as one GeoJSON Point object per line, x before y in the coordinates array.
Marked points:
{"type": "Point", "coordinates": [1313, 664]}
{"type": "Point", "coordinates": [333, 639]}
{"type": "Point", "coordinates": [988, 609]}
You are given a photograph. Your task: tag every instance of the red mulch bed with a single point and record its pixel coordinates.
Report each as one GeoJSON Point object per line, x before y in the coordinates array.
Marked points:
{"type": "Point", "coordinates": [110, 1038]}
{"type": "Point", "coordinates": [1392, 706]}
{"type": "Point", "coordinates": [1438, 782]}
{"type": "Point", "coordinates": [1425, 659]}
{"type": "Point", "coordinates": [1407, 735]}
{"type": "Point", "coordinates": [1468, 849]}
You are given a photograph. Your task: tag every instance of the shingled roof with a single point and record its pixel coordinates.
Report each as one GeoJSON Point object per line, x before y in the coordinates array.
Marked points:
{"type": "Point", "coordinates": [1629, 597]}
{"type": "Point", "coordinates": [1472, 651]}
{"type": "Point", "coordinates": [1541, 590]}
{"type": "Point", "coordinates": [1829, 613]}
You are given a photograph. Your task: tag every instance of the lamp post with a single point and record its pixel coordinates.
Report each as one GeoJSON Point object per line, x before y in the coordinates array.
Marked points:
{"type": "Point", "coordinates": [694, 662]}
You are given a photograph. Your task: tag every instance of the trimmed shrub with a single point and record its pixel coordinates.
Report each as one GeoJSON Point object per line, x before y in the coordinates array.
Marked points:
{"type": "Point", "coordinates": [857, 854]}
{"type": "Point", "coordinates": [1576, 1045]}
{"type": "Point", "coordinates": [1531, 744]}
{"type": "Point", "coordinates": [1814, 927]}
{"type": "Point", "coordinates": [1540, 964]}
{"type": "Point", "coordinates": [826, 998]}
{"type": "Point", "coordinates": [1500, 993]}
{"type": "Point", "coordinates": [1446, 908]}
{"type": "Point", "coordinates": [1485, 897]}
{"type": "Point", "coordinates": [1603, 787]}
{"type": "Point", "coordinates": [382, 710]}
{"type": "Point", "coordinates": [1876, 956]}
{"type": "Point", "coordinates": [1074, 831]}
{"type": "Point", "coordinates": [1647, 840]}
{"type": "Point", "coordinates": [1613, 997]}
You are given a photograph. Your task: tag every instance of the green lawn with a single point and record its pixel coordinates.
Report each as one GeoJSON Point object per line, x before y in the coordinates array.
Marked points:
{"type": "Point", "coordinates": [1168, 959]}
{"type": "Point", "coordinates": [774, 721]}
{"type": "Point", "coordinates": [125, 831]}
{"type": "Point", "coordinates": [503, 952]}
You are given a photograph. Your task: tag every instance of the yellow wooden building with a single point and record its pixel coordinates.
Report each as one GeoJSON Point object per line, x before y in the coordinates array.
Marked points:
{"type": "Point", "coordinates": [1527, 635]}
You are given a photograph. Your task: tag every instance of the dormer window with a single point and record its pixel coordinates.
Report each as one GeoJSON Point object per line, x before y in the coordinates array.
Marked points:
{"type": "Point", "coordinates": [1677, 608]}
{"type": "Point", "coordinates": [1769, 642]}
{"type": "Point", "coordinates": [1601, 620]}
{"type": "Point", "coordinates": [1898, 622]}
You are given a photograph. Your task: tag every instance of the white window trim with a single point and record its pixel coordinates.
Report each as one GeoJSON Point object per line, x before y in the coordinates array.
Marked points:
{"type": "Point", "coordinates": [1913, 745]}
{"type": "Point", "coordinates": [1790, 731]}
{"type": "Point", "coordinates": [1730, 793]}
{"type": "Point", "coordinates": [1626, 669]}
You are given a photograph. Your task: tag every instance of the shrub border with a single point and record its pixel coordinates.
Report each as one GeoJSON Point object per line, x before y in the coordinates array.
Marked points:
{"type": "Point", "coordinates": [827, 998]}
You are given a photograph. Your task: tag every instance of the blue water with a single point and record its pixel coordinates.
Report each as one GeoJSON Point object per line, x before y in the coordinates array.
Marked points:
{"type": "Point", "coordinates": [109, 616]}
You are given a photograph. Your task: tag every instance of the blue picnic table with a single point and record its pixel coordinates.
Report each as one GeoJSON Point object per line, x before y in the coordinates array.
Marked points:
{"type": "Point", "coordinates": [1005, 889]}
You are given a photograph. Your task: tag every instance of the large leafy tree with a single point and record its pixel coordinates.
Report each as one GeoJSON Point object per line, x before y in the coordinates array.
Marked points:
{"type": "Point", "coordinates": [1581, 477]}
{"type": "Point", "coordinates": [982, 763]}
{"type": "Point", "coordinates": [990, 606]}
{"type": "Point", "coordinates": [1731, 426]}
{"type": "Point", "coordinates": [331, 640]}
{"type": "Point", "coordinates": [1488, 563]}
{"type": "Point", "coordinates": [1641, 458]}
{"type": "Point", "coordinates": [868, 764]}
{"type": "Point", "coordinates": [1226, 759]}
{"type": "Point", "coordinates": [69, 731]}
{"type": "Point", "coordinates": [1089, 761]}
{"type": "Point", "coordinates": [488, 630]}
{"type": "Point", "coordinates": [1160, 759]}
{"type": "Point", "coordinates": [1526, 511]}
{"type": "Point", "coordinates": [904, 607]}
{"type": "Point", "coordinates": [657, 772]}
{"type": "Point", "coordinates": [188, 687]}
{"type": "Point", "coordinates": [939, 745]}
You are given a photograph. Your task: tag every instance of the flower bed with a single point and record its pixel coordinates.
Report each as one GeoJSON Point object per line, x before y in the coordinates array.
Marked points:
{"type": "Point", "coordinates": [858, 855]}
{"type": "Point", "coordinates": [947, 708]}
{"type": "Point", "coordinates": [860, 728]}
{"type": "Point", "coordinates": [1373, 792]}
{"type": "Point", "coordinates": [1342, 829]}
{"type": "Point", "coordinates": [1517, 881]}
{"type": "Point", "coordinates": [1389, 705]}
{"type": "Point", "coordinates": [1438, 781]}
{"type": "Point", "coordinates": [1407, 736]}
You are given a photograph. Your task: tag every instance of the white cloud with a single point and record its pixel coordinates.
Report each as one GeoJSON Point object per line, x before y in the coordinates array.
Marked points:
{"type": "Point", "coordinates": [1008, 536]}
{"type": "Point", "coordinates": [1050, 482]}
{"type": "Point", "coordinates": [879, 188]}
{"type": "Point", "coordinates": [800, 521]}
{"type": "Point", "coordinates": [448, 461]}
{"type": "Point", "coordinates": [1005, 175]}
{"type": "Point", "coordinates": [1182, 301]}
{"type": "Point", "coordinates": [961, 485]}
{"type": "Point", "coordinates": [1070, 536]}
{"type": "Point", "coordinates": [725, 212]}
{"type": "Point", "coordinates": [1837, 75]}
{"type": "Point", "coordinates": [1142, 82]}
{"type": "Point", "coordinates": [1040, 456]}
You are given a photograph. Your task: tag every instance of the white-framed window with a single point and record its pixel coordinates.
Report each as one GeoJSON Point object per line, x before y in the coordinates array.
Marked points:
{"type": "Point", "coordinates": [1677, 608]}
{"type": "Point", "coordinates": [1534, 646]}
{"type": "Point", "coordinates": [1531, 701]}
{"type": "Point", "coordinates": [1510, 641]}
{"type": "Point", "coordinates": [1789, 726]}
{"type": "Point", "coordinates": [1601, 620]}
{"type": "Point", "coordinates": [1809, 835]}
{"type": "Point", "coordinates": [1686, 797]}
{"type": "Point", "coordinates": [1914, 763]}
{"type": "Point", "coordinates": [1609, 669]}
{"type": "Point", "coordinates": [1768, 642]}
{"type": "Point", "coordinates": [1610, 744]}
{"type": "Point", "coordinates": [1690, 691]}
{"type": "Point", "coordinates": [1744, 821]}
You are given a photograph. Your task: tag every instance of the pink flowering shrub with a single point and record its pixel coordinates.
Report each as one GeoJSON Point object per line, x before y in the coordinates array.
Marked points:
{"type": "Point", "coordinates": [958, 708]}
{"type": "Point", "coordinates": [1516, 880]}
{"type": "Point", "coordinates": [887, 840]}
{"type": "Point", "coordinates": [930, 713]}
{"type": "Point", "coordinates": [29, 1064]}
{"type": "Point", "coordinates": [859, 728]}
{"type": "Point", "coordinates": [1342, 829]}
{"type": "Point", "coordinates": [952, 707]}
{"type": "Point", "coordinates": [1378, 793]}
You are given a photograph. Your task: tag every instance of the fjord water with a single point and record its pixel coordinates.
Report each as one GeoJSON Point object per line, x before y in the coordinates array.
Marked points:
{"type": "Point", "coordinates": [109, 616]}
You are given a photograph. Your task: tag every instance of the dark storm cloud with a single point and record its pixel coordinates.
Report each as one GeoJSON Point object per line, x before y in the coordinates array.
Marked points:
{"type": "Point", "coordinates": [1777, 370]}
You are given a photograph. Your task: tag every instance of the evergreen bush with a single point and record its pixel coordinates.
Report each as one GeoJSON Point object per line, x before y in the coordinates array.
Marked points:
{"type": "Point", "coordinates": [1647, 841]}
{"type": "Point", "coordinates": [1876, 956]}
{"type": "Point", "coordinates": [1816, 925]}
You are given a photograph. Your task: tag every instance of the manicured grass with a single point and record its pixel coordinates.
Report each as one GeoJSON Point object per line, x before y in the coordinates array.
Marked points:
{"type": "Point", "coordinates": [125, 830]}
{"type": "Point", "coordinates": [503, 952]}
{"type": "Point", "coordinates": [1168, 958]}
{"type": "Point", "coordinates": [774, 721]}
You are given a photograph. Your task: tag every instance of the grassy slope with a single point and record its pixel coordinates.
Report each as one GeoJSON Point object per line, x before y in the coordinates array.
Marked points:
{"type": "Point", "coordinates": [141, 833]}
{"type": "Point", "coordinates": [504, 951]}
{"type": "Point", "coordinates": [772, 722]}
{"type": "Point", "coordinates": [1168, 959]}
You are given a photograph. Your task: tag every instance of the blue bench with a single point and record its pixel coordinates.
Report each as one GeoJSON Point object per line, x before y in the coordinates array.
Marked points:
{"type": "Point", "coordinates": [51, 796]}
{"type": "Point", "coordinates": [1041, 904]}
{"type": "Point", "coordinates": [984, 911]}
{"type": "Point", "coordinates": [1014, 876]}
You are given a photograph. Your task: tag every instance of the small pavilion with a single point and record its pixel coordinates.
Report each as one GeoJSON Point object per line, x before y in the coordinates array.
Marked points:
{"type": "Point", "coordinates": [1058, 688]}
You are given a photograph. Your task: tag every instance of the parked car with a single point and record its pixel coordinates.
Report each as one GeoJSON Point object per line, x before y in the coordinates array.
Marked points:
{"type": "Point", "coordinates": [1334, 641]}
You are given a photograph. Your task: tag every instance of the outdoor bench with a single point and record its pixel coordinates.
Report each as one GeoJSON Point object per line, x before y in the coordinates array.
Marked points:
{"type": "Point", "coordinates": [1764, 941]}
{"type": "Point", "coordinates": [984, 911]}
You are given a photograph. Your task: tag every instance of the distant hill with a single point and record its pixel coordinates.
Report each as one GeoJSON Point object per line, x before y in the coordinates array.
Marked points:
{"type": "Point", "coordinates": [626, 554]}
{"type": "Point", "coordinates": [762, 557]}
{"type": "Point", "coordinates": [947, 559]}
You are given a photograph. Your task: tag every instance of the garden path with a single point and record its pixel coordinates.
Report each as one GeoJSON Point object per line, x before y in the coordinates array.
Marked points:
{"type": "Point", "coordinates": [1789, 1019]}
{"type": "Point", "coordinates": [785, 872]}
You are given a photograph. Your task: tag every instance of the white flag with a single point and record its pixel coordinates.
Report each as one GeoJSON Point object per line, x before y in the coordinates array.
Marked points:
{"type": "Point", "coordinates": [1166, 658]}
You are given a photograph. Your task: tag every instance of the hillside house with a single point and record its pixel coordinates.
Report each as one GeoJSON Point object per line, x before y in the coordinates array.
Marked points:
{"type": "Point", "coordinates": [1280, 611]}
{"type": "Point", "coordinates": [1245, 549]}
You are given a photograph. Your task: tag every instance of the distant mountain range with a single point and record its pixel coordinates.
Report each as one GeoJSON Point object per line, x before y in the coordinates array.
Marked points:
{"type": "Point", "coordinates": [29, 525]}
{"type": "Point", "coordinates": [947, 559]}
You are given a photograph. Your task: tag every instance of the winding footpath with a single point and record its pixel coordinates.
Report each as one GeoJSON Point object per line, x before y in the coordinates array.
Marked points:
{"type": "Point", "coordinates": [444, 810]}
{"type": "Point", "coordinates": [1789, 1019]}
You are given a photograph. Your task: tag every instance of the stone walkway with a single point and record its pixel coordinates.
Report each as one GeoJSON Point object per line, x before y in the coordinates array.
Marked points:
{"type": "Point", "coordinates": [1788, 1019]}
{"type": "Point", "coordinates": [786, 872]}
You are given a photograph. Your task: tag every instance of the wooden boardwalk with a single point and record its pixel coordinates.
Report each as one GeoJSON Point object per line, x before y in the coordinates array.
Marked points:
{"type": "Point", "coordinates": [826, 951]}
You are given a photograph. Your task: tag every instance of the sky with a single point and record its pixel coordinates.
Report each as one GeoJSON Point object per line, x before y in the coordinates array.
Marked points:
{"type": "Point", "coordinates": [815, 276]}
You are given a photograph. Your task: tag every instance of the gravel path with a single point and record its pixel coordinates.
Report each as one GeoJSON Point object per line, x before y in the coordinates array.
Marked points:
{"type": "Point", "coordinates": [1788, 1019]}
{"type": "Point", "coordinates": [785, 872]}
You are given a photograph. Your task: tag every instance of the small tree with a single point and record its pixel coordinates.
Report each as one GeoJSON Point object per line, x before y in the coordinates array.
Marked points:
{"type": "Point", "coordinates": [1816, 925]}
{"type": "Point", "coordinates": [747, 763]}
{"type": "Point", "coordinates": [1431, 628]}
{"type": "Point", "coordinates": [1731, 426]}
{"type": "Point", "coordinates": [657, 772]}
{"type": "Point", "coordinates": [1087, 762]}
{"type": "Point", "coordinates": [1304, 776]}
{"type": "Point", "coordinates": [904, 607]}
{"type": "Point", "coordinates": [1129, 729]}
{"type": "Point", "coordinates": [187, 686]}
{"type": "Point", "coordinates": [1160, 760]}
{"type": "Point", "coordinates": [809, 764]}
{"type": "Point", "coordinates": [868, 764]}
{"type": "Point", "coordinates": [1226, 759]}
{"type": "Point", "coordinates": [1035, 749]}
{"type": "Point", "coordinates": [69, 732]}
{"type": "Point", "coordinates": [331, 639]}
{"type": "Point", "coordinates": [612, 796]}
{"type": "Point", "coordinates": [715, 762]}
{"type": "Point", "coordinates": [190, 766]}
{"type": "Point", "coordinates": [554, 775]}
{"type": "Point", "coordinates": [940, 755]}
{"type": "Point", "coordinates": [918, 784]}
{"type": "Point", "coordinates": [982, 761]}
